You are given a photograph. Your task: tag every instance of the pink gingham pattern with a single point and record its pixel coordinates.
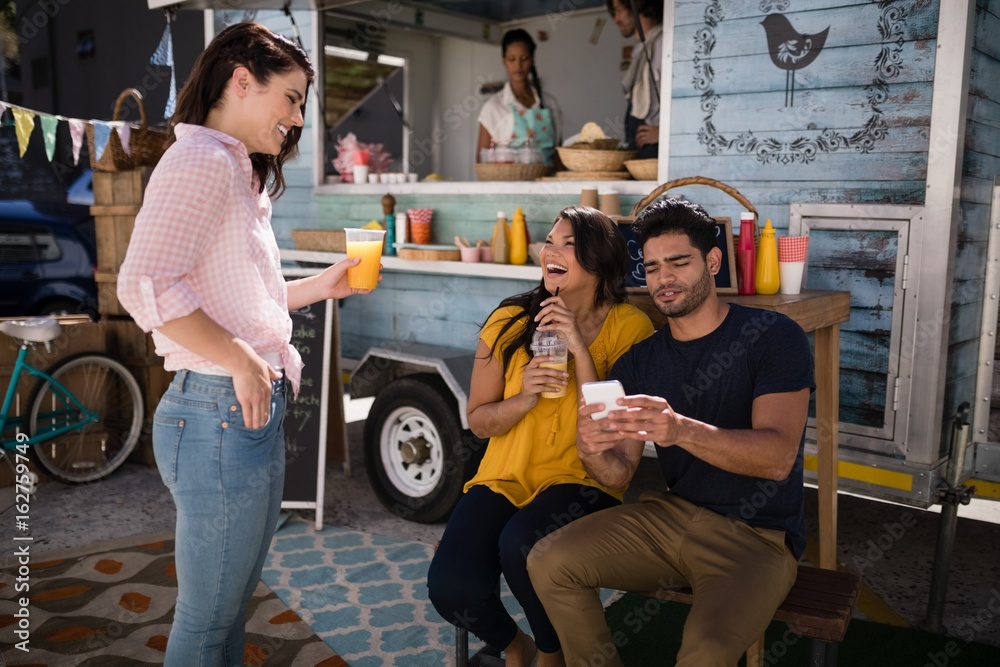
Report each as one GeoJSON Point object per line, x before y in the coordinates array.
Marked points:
{"type": "Point", "coordinates": [792, 248]}
{"type": "Point", "coordinates": [203, 239]}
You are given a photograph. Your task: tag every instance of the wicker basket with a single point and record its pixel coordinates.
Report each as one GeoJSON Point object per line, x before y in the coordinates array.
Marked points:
{"type": "Point", "coordinates": [146, 146]}
{"type": "Point", "coordinates": [659, 190]}
{"type": "Point", "coordinates": [609, 144]}
{"type": "Point", "coordinates": [585, 159]}
{"type": "Point", "coordinates": [327, 240]}
{"type": "Point", "coordinates": [486, 171]}
{"type": "Point", "coordinates": [642, 170]}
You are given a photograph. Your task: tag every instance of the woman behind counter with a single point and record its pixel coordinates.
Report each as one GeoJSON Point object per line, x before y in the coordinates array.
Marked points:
{"type": "Point", "coordinates": [521, 113]}
{"type": "Point", "coordinates": [531, 481]}
{"type": "Point", "coordinates": [203, 273]}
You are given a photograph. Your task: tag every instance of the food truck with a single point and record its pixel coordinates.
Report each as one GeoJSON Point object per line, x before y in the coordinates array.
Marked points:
{"type": "Point", "coordinates": [870, 126]}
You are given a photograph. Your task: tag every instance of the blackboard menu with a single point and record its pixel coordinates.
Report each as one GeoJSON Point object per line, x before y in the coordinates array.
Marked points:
{"type": "Point", "coordinates": [725, 279]}
{"type": "Point", "coordinates": [306, 415]}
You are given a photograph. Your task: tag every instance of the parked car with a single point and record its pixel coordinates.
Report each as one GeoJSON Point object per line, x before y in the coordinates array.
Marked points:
{"type": "Point", "coordinates": [48, 256]}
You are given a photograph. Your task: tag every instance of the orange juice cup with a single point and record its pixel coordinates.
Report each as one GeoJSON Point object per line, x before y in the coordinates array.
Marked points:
{"type": "Point", "coordinates": [366, 244]}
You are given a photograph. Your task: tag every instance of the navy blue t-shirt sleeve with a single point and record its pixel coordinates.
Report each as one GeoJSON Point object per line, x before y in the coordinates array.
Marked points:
{"type": "Point", "coordinates": [782, 360]}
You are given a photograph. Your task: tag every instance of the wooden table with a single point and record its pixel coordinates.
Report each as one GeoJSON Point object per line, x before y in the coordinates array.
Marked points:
{"type": "Point", "coordinates": [820, 312]}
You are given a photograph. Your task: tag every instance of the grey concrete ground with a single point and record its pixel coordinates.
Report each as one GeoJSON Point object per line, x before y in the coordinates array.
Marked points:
{"type": "Point", "coordinates": [891, 546]}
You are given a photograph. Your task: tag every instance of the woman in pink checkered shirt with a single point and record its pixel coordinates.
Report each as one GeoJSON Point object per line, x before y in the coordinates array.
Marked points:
{"type": "Point", "coordinates": [203, 273]}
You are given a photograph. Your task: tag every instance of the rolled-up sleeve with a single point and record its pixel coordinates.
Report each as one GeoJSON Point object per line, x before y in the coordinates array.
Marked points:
{"type": "Point", "coordinates": [182, 207]}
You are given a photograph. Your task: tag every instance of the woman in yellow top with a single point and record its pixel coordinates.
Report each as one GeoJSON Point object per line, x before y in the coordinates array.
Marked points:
{"type": "Point", "coordinates": [531, 481]}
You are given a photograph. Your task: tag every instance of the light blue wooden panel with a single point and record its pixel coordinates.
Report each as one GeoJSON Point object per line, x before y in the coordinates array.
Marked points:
{"type": "Point", "coordinates": [907, 105]}
{"type": "Point", "coordinates": [811, 14]}
{"type": "Point", "coordinates": [840, 67]}
{"type": "Point", "coordinates": [964, 322]}
{"type": "Point", "coordinates": [980, 165]}
{"type": "Point", "coordinates": [877, 168]}
{"type": "Point", "coordinates": [431, 309]}
{"type": "Point", "coordinates": [864, 263]}
{"type": "Point", "coordinates": [982, 75]}
{"type": "Point", "coordinates": [987, 36]}
{"type": "Point", "coordinates": [970, 262]}
{"type": "Point", "coordinates": [983, 109]}
{"type": "Point", "coordinates": [982, 138]}
{"type": "Point", "coordinates": [863, 351]}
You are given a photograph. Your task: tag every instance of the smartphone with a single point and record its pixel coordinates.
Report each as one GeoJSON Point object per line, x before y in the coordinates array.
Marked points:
{"type": "Point", "coordinates": [607, 392]}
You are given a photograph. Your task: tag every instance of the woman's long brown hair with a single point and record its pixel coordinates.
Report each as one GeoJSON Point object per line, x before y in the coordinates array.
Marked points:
{"type": "Point", "coordinates": [264, 54]}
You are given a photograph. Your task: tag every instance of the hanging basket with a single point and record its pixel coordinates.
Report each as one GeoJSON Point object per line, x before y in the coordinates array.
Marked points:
{"type": "Point", "coordinates": [699, 180]}
{"type": "Point", "coordinates": [146, 145]}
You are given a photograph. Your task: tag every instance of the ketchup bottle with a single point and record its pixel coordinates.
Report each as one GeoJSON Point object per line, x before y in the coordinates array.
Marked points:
{"type": "Point", "coordinates": [746, 254]}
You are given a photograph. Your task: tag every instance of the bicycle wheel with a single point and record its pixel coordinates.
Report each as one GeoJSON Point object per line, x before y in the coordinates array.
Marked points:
{"type": "Point", "coordinates": [94, 450]}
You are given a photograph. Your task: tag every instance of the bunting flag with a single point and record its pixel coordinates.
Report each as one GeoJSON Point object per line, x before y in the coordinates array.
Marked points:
{"type": "Point", "coordinates": [24, 123]}
{"type": "Point", "coordinates": [76, 130]}
{"type": "Point", "coordinates": [102, 132]}
{"type": "Point", "coordinates": [3, 107]}
{"type": "Point", "coordinates": [124, 132]}
{"type": "Point", "coordinates": [164, 57]}
{"type": "Point", "coordinates": [49, 125]}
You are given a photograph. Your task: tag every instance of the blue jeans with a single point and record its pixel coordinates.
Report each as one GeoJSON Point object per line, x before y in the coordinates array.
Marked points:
{"type": "Point", "coordinates": [226, 481]}
{"type": "Point", "coordinates": [488, 535]}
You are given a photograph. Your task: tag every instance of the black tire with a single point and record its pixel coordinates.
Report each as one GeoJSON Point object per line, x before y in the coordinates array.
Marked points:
{"type": "Point", "coordinates": [103, 386]}
{"type": "Point", "coordinates": [416, 454]}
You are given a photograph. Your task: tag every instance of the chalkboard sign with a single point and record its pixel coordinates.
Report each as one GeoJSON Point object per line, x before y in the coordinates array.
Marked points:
{"type": "Point", "coordinates": [725, 279]}
{"type": "Point", "coordinates": [306, 416]}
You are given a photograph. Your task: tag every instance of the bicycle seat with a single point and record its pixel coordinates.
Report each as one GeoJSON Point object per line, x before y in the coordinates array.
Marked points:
{"type": "Point", "coordinates": [33, 330]}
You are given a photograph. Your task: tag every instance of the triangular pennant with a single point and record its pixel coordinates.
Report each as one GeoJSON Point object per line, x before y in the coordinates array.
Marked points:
{"type": "Point", "coordinates": [3, 107]}
{"type": "Point", "coordinates": [76, 130]}
{"type": "Point", "coordinates": [164, 53]}
{"type": "Point", "coordinates": [168, 111]}
{"type": "Point", "coordinates": [124, 132]}
{"type": "Point", "coordinates": [102, 132]}
{"type": "Point", "coordinates": [24, 123]}
{"type": "Point", "coordinates": [49, 125]}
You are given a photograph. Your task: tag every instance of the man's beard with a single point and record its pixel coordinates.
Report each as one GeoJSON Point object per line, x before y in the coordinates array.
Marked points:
{"type": "Point", "coordinates": [692, 297]}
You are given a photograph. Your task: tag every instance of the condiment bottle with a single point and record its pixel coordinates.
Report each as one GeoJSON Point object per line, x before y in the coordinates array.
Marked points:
{"type": "Point", "coordinates": [746, 254]}
{"type": "Point", "coordinates": [766, 277]}
{"type": "Point", "coordinates": [388, 207]}
{"type": "Point", "coordinates": [401, 235]}
{"type": "Point", "coordinates": [501, 240]}
{"type": "Point", "coordinates": [518, 238]}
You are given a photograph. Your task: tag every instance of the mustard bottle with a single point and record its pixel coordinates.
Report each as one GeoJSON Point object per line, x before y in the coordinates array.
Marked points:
{"type": "Point", "coordinates": [501, 240]}
{"type": "Point", "coordinates": [518, 238]}
{"type": "Point", "coordinates": [766, 278]}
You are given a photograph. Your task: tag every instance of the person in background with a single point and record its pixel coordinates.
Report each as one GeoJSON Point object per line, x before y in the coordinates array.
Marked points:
{"type": "Point", "coordinates": [642, 80]}
{"type": "Point", "coordinates": [531, 481]}
{"type": "Point", "coordinates": [520, 114]}
{"type": "Point", "coordinates": [718, 441]}
{"type": "Point", "coordinates": [203, 273]}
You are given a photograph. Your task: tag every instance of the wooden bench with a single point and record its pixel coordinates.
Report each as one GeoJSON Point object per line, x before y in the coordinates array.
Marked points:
{"type": "Point", "coordinates": [818, 607]}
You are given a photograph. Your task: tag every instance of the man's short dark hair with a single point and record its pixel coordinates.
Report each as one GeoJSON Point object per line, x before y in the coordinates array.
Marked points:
{"type": "Point", "coordinates": [676, 216]}
{"type": "Point", "coordinates": [649, 8]}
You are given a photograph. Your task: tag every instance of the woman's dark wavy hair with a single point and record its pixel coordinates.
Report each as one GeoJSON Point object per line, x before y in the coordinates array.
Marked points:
{"type": "Point", "coordinates": [599, 248]}
{"type": "Point", "coordinates": [264, 54]}
{"type": "Point", "coordinates": [519, 36]}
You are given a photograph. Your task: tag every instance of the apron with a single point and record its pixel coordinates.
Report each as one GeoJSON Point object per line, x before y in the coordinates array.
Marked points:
{"type": "Point", "coordinates": [536, 126]}
{"type": "Point", "coordinates": [631, 127]}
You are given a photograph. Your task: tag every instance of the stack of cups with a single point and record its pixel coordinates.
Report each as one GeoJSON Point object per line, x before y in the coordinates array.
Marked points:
{"type": "Point", "coordinates": [420, 224]}
{"type": "Point", "coordinates": [589, 197]}
{"type": "Point", "coordinates": [791, 263]}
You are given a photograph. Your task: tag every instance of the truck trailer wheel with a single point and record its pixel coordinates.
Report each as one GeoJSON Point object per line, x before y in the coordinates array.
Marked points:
{"type": "Point", "coordinates": [415, 451]}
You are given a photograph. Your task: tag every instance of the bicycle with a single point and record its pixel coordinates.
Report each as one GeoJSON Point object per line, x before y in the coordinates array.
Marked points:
{"type": "Point", "coordinates": [84, 416]}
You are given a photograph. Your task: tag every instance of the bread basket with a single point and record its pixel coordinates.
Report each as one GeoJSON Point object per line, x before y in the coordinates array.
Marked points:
{"type": "Point", "coordinates": [585, 159]}
{"type": "Point", "coordinates": [642, 170]}
{"type": "Point", "coordinates": [491, 171]}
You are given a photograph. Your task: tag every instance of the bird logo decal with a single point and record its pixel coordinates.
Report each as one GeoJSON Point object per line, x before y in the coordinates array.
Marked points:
{"type": "Point", "coordinates": [791, 50]}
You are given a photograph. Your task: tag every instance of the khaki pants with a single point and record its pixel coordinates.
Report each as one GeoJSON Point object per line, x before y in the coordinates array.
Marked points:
{"type": "Point", "coordinates": [739, 576]}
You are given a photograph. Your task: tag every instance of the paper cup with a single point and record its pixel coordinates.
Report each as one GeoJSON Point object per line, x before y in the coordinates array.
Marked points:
{"type": "Point", "coordinates": [588, 197]}
{"type": "Point", "coordinates": [790, 277]}
{"type": "Point", "coordinates": [420, 232]}
{"type": "Point", "coordinates": [366, 244]}
{"type": "Point", "coordinates": [373, 178]}
{"type": "Point", "coordinates": [611, 203]}
{"type": "Point", "coordinates": [469, 254]}
{"type": "Point", "coordinates": [361, 173]}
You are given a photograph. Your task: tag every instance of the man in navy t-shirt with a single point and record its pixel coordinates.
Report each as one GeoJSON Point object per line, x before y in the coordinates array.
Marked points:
{"type": "Point", "coordinates": [723, 392]}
